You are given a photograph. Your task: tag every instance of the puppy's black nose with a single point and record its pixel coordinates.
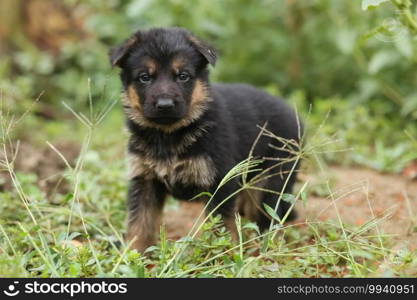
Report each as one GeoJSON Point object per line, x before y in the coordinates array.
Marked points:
{"type": "Point", "coordinates": [164, 104]}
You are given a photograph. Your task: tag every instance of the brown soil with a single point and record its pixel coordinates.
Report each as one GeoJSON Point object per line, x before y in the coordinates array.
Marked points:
{"type": "Point", "coordinates": [358, 195]}
{"type": "Point", "coordinates": [44, 162]}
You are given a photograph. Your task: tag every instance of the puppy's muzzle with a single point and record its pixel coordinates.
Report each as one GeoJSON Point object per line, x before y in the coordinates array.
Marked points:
{"type": "Point", "coordinates": [164, 105]}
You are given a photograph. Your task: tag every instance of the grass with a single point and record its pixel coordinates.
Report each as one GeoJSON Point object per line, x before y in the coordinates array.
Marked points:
{"type": "Point", "coordinates": [78, 231]}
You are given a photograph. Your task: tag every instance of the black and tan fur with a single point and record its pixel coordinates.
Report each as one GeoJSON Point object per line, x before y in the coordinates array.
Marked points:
{"type": "Point", "coordinates": [186, 134]}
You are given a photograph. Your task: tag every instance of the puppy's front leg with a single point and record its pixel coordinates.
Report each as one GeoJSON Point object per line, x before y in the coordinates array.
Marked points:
{"type": "Point", "coordinates": [145, 202]}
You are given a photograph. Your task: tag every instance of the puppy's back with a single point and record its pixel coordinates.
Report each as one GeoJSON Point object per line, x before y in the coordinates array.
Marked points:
{"type": "Point", "coordinates": [248, 107]}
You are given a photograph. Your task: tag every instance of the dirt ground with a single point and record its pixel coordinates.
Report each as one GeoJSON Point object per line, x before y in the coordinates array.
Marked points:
{"type": "Point", "coordinates": [44, 162]}
{"type": "Point", "coordinates": [357, 195]}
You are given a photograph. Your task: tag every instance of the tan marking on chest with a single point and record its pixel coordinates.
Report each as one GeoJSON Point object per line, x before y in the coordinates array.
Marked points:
{"type": "Point", "coordinates": [198, 171]}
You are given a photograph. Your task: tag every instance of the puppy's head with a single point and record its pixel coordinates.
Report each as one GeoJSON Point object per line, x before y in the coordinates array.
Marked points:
{"type": "Point", "coordinates": [164, 75]}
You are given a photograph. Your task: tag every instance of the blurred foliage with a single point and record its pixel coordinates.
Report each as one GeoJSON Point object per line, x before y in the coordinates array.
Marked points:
{"type": "Point", "coordinates": [317, 46]}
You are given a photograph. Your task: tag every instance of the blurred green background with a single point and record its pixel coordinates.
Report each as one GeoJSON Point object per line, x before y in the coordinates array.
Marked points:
{"type": "Point", "coordinates": [337, 59]}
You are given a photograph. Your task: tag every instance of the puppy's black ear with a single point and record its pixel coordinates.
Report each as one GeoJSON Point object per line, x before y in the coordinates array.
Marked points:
{"type": "Point", "coordinates": [117, 54]}
{"type": "Point", "coordinates": [207, 51]}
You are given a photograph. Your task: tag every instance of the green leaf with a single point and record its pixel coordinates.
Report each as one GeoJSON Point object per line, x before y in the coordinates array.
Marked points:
{"type": "Point", "coordinates": [271, 212]}
{"type": "Point", "coordinates": [252, 226]}
{"type": "Point", "coordinates": [288, 198]}
{"type": "Point", "coordinates": [345, 40]}
{"type": "Point", "coordinates": [367, 4]}
{"type": "Point", "coordinates": [151, 249]}
{"type": "Point", "coordinates": [405, 47]}
{"type": "Point", "coordinates": [140, 271]}
{"type": "Point", "coordinates": [304, 198]}
{"type": "Point", "coordinates": [201, 195]}
{"type": "Point", "coordinates": [381, 60]}
{"type": "Point", "coordinates": [73, 235]}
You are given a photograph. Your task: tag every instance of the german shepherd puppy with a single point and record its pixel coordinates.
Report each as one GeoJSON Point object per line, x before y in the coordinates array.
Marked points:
{"type": "Point", "coordinates": [187, 134]}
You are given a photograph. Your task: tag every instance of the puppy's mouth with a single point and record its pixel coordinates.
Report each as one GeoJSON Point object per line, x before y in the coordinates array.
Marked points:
{"type": "Point", "coordinates": [165, 117]}
{"type": "Point", "coordinates": [165, 120]}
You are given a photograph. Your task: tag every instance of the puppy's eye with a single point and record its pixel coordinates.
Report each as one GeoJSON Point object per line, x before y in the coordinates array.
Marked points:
{"type": "Point", "coordinates": [145, 78]}
{"type": "Point", "coordinates": [183, 76]}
